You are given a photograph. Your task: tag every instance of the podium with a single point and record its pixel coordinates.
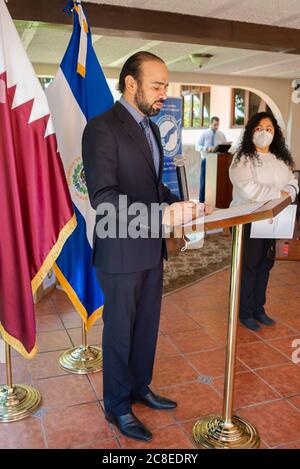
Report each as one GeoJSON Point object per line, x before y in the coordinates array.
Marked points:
{"type": "Point", "coordinates": [218, 187]}
{"type": "Point", "coordinates": [228, 430]}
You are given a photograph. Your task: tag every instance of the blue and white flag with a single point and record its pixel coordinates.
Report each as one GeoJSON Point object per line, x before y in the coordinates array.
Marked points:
{"type": "Point", "coordinates": [78, 93]}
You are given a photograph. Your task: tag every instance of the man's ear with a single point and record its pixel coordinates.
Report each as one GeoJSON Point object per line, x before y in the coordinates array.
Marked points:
{"type": "Point", "coordinates": [130, 84]}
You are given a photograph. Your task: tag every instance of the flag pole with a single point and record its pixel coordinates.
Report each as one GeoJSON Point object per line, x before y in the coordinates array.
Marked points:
{"type": "Point", "coordinates": [16, 401]}
{"type": "Point", "coordinates": [83, 359]}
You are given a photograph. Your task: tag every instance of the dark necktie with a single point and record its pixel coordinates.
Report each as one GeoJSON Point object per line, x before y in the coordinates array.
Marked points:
{"type": "Point", "coordinates": [146, 129]}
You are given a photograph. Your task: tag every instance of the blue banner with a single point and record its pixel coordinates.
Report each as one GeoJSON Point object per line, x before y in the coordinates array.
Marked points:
{"type": "Point", "coordinates": [169, 121]}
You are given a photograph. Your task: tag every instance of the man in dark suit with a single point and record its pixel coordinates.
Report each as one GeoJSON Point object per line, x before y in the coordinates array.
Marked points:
{"type": "Point", "coordinates": [123, 157]}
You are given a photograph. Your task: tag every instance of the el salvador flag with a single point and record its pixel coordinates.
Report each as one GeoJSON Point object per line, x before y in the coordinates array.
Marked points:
{"type": "Point", "coordinates": [78, 93]}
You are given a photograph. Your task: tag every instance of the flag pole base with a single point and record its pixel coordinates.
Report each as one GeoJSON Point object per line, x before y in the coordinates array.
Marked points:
{"type": "Point", "coordinates": [82, 360]}
{"type": "Point", "coordinates": [18, 402]}
{"type": "Point", "coordinates": [211, 432]}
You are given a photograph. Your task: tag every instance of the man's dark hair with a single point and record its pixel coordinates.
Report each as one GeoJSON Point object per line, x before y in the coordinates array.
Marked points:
{"type": "Point", "coordinates": [214, 118]}
{"type": "Point", "coordinates": [132, 67]}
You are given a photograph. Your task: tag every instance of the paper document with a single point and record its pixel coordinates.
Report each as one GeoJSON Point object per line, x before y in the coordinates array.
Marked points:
{"type": "Point", "coordinates": [222, 214]}
{"type": "Point", "coordinates": [280, 227]}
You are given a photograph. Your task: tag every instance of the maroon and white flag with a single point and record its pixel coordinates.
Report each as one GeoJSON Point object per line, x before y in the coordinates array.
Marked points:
{"type": "Point", "coordinates": [36, 210]}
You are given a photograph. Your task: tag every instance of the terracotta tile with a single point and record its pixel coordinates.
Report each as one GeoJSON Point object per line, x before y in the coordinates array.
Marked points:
{"type": "Point", "coordinates": [94, 336]}
{"type": "Point", "coordinates": [217, 318]}
{"type": "Point", "coordinates": [45, 306]}
{"type": "Point", "coordinates": [218, 334]}
{"type": "Point", "coordinates": [53, 340]}
{"type": "Point", "coordinates": [45, 365]}
{"type": "Point", "coordinates": [248, 390]}
{"type": "Point", "coordinates": [245, 336]}
{"type": "Point", "coordinates": [24, 434]}
{"type": "Point", "coordinates": [71, 319]}
{"type": "Point", "coordinates": [64, 391]}
{"type": "Point", "coordinates": [176, 322]}
{"type": "Point", "coordinates": [259, 355]}
{"type": "Point", "coordinates": [110, 443]}
{"type": "Point", "coordinates": [165, 348]}
{"type": "Point", "coordinates": [201, 289]}
{"type": "Point", "coordinates": [212, 363]}
{"type": "Point", "coordinates": [277, 331]}
{"type": "Point", "coordinates": [294, 320]}
{"type": "Point", "coordinates": [281, 313]}
{"type": "Point", "coordinates": [192, 341]}
{"type": "Point", "coordinates": [152, 418]}
{"type": "Point", "coordinates": [96, 380]}
{"type": "Point", "coordinates": [194, 400]}
{"type": "Point", "coordinates": [206, 303]}
{"type": "Point", "coordinates": [285, 346]}
{"type": "Point", "coordinates": [295, 401]}
{"type": "Point", "coordinates": [283, 378]}
{"type": "Point", "coordinates": [169, 304]}
{"type": "Point", "coordinates": [68, 433]}
{"type": "Point", "coordinates": [277, 422]}
{"type": "Point", "coordinates": [63, 305]}
{"type": "Point", "coordinates": [295, 445]}
{"type": "Point", "coordinates": [48, 322]}
{"type": "Point", "coordinates": [174, 370]}
{"type": "Point", "coordinates": [163, 438]}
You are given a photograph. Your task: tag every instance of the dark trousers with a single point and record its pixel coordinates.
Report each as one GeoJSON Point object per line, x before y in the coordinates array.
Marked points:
{"type": "Point", "coordinates": [255, 274]}
{"type": "Point", "coordinates": [131, 319]}
{"type": "Point", "coordinates": [202, 181]}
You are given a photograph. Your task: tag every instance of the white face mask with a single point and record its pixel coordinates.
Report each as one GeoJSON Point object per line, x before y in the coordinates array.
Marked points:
{"type": "Point", "coordinates": [262, 138]}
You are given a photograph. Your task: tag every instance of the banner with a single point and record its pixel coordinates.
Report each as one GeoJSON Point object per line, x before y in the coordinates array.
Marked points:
{"type": "Point", "coordinates": [169, 121]}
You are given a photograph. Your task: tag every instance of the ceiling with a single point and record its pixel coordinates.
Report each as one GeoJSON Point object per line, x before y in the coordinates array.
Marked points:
{"type": "Point", "coordinates": [285, 13]}
{"type": "Point", "coordinates": [46, 43]}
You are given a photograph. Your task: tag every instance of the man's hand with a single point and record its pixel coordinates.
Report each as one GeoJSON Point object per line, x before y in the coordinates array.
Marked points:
{"type": "Point", "coordinates": [210, 149]}
{"type": "Point", "coordinates": [284, 194]}
{"type": "Point", "coordinates": [180, 213]}
{"type": "Point", "coordinates": [208, 209]}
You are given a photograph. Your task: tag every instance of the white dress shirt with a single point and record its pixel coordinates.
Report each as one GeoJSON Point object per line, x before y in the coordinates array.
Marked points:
{"type": "Point", "coordinates": [210, 138]}
{"type": "Point", "coordinates": [262, 179]}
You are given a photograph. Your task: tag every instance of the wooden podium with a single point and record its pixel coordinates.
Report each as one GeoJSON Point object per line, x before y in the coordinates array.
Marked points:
{"type": "Point", "coordinates": [218, 187]}
{"type": "Point", "coordinates": [228, 430]}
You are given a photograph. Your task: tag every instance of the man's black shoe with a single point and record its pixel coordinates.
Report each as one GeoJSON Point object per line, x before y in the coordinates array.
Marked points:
{"type": "Point", "coordinates": [129, 426]}
{"type": "Point", "coordinates": [264, 319]}
{"type": "Point", "coordinates": [250, 323]}
{"type": "Point", "coordinates": [155, 401]}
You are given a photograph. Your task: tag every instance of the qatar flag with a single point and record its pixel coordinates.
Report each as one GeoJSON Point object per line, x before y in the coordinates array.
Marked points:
{"type": "Point", "coordinates": [36, 210]}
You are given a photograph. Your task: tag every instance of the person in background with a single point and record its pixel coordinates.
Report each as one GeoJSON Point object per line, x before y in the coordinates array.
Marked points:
{"type": "Point", "coordinates": [261, 170]}
{"type": "Point", "coordinates": [209, 139]}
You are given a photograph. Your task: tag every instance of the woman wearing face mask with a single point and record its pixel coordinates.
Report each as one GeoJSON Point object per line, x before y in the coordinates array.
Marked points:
{"type": "Point", "coordinates": [260, 171]}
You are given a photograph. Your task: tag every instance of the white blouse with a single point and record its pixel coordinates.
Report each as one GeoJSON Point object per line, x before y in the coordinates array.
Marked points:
{"type": "Point", "coordinates": [261, 179]}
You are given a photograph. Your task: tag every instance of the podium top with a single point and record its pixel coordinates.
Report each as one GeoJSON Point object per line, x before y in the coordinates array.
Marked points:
{"type": "Point", "coordinates": [267, 210]}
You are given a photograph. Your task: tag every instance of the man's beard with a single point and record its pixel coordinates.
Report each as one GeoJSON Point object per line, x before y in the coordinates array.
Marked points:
{"type": "Point", "coordinates": [145, 107]}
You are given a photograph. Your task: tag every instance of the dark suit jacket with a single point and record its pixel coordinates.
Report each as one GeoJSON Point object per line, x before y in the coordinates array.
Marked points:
{"type": "Point", "coordinates": [117, 160]}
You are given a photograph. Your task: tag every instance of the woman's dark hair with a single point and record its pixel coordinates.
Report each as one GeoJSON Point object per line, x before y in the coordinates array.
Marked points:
{"type": "Point", "coordinates": [132, 67]}
{"type": "Point", "coordinates": [277, 147]}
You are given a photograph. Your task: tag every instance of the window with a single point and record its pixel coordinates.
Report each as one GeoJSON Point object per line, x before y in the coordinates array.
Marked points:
{"type": "Point", "coordinates": [244, 105]}
{"type": "Point", "coordinates": [45, 81]}
{"type": "Point", "coordinates": [196, 106]}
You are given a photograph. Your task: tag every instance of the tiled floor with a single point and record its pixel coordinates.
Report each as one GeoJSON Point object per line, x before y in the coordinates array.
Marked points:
{"type": "Point", "coordinates": [189, 368]}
